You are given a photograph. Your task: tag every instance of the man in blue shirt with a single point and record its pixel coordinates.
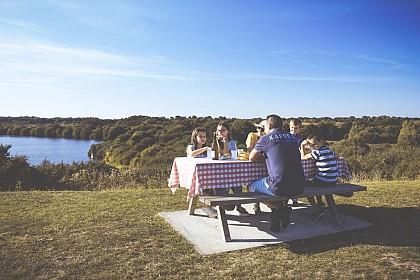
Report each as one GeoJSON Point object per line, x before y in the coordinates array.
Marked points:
{"type": "Point", "coordinates": [280, 150]}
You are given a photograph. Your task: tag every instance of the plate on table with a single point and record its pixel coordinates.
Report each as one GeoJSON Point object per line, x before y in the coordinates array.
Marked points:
{"type": "Point", "coordinates": [225, 156]}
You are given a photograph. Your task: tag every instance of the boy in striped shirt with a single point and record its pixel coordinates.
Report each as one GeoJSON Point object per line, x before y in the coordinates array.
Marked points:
{"type": "Point", "coordinates": [327, 169]}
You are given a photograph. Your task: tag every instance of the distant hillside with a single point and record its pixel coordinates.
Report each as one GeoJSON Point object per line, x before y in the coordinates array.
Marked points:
{"type": "Point", "coordinates": [139, 140]}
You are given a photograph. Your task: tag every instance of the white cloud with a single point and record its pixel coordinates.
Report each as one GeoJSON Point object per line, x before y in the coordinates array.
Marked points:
{"type": "Point", "coordinates": [30, 61]}
{"type": "Point", "coordinates": [20, 24]}
{"type": "Point", "coordinates": [393, 64]}
{"type": "Point", "coordinates": [39, 64]}
{"type": "Point", "coordinates": [347, 79]}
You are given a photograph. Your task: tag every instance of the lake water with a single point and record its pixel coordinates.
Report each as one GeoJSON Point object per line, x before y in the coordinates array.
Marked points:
{"type": "Point", "coordinates": [55, 150]}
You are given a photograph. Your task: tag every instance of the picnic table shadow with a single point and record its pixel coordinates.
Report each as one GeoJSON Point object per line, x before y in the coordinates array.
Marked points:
{"type": "Point", "coordinates": [261, 224]}
{"type": "Point", "coordinates": [391, 227]}
{"type": "Point", "coordinates": [296, 229]}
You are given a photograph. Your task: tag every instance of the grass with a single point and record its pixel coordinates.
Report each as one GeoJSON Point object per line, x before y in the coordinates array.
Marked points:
{"type": "Point", "coordinates": [118, 235]}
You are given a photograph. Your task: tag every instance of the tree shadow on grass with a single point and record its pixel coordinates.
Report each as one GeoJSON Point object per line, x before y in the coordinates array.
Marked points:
{"type": "Point", "coordinates": [391, 227]}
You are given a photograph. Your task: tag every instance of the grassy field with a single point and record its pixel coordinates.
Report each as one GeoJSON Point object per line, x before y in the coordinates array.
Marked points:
{"type": "Point", "coordinates": [118, 235]}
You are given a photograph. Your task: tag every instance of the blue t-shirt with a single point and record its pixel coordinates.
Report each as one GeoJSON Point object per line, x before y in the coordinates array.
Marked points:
{"type": "Point", "coordinates": [231, 145]}
{"type": "Point", "coordinates": [282, 157]}
{"type": "Point", "coordinates": [298, 138]}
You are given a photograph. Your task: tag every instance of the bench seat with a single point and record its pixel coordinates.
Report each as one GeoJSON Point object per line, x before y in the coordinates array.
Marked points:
{"type": "Point", "coordinates": [345, 190]}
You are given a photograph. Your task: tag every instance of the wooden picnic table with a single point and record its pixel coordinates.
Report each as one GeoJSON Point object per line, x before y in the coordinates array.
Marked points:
{"type": "Point", "coordinates": [219, 202]}
{"type": "Point", "coordinates": [197, 174]}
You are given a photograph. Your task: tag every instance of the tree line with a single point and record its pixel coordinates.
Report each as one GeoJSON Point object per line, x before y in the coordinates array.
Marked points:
{"type": "Point", "coordinates": [374, 147]}
{"type": "Point", "coordinates": [373, 130]}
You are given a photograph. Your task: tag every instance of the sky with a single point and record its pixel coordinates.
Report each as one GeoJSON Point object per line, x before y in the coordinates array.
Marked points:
{"type": "Point", "coordinates": [113, 59]}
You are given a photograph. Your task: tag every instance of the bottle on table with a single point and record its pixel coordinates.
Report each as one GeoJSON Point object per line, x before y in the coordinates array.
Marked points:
{"type": "Point", "coordinates": [215, 146]}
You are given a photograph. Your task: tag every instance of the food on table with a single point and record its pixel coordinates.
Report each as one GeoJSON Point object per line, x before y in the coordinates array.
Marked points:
{"type": "Point", "coordinates": [225, 156]}
{"type": "Point", "coordinates": [243, 156]}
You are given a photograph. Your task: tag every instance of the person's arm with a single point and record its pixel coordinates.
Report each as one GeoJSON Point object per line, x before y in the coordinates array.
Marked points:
{"type": "Point", "coordinates": [302, 149]}
{"type": "Point", "coordinates": [194, 153]}
{"type": "Point", "coordinates": [248, 143]}
{"type": "Point", "coordinates": [307, 156]}
{"type": "Point", "coordinates": [256, 156]}
{"type": "Point", "coordinates": [225, 149]}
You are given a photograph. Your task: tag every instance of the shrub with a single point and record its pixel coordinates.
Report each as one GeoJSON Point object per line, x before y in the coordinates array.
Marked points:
{"type": "Point", "coordinates": [409, 134]}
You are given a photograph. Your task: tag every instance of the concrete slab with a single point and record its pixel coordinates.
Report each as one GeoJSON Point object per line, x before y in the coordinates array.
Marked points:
{"type": "Point", "coordinates": [253, 231]}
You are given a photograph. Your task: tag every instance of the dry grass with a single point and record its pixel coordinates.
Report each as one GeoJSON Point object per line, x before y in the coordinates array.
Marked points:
{"type": "Point", "coordinates": [118, 235]}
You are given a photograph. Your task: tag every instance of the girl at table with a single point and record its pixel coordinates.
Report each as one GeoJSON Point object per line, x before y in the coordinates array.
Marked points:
{"type": "Point", "coordinates": [327, 169]}
{"type": "Point", "coordinates": [227, 145]}
{"type": "Point", "coordinates": [197, 148]}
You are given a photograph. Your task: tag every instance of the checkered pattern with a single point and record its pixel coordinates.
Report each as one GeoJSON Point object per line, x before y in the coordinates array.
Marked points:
{"type": "Point", "coordinates": [198, 174]}
{"type": "Point", "coordinates": [226, 174]}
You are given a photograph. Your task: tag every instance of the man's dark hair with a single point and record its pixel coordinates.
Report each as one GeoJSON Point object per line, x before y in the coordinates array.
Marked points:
{"type": "Point", "coordinates": [274, 121]}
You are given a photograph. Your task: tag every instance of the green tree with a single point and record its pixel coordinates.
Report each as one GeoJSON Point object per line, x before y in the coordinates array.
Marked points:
{"type": "Point", "coordinates": [86, 131]}
{"type": "Point", "coordinates": [76, 132]}
{"type": "Point", "coordinates": [96, 134]}
{"type": "Point", "coordinates": [40, 131]}
{"type": "Point", "coordinates": [115, 131]}
{"type": "Point", "coordinates": [15, 172]}
{"type": "Point", "coordinates": [308, 129]}
{"type": "Point", "coordinates": [240, 130]}
{"type": "Point", "coordinates": [4, 153]}
{"type": "Point", "coordinates": [67, 132]}
{"type": "Point", "coordinates": [409, 134]}
{"type": "Point", "coordinates": [51, 131]}
{"type": "Point", "coordinates": [26, 131]}
{"type": "Point", "coordinates": [15, 130]}
{"type": "Point", "coordinates": [350, 148]}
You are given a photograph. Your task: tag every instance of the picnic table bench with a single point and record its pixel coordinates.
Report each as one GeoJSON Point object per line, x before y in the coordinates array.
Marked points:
{"type": "Point", "coordinates": [345, 190]}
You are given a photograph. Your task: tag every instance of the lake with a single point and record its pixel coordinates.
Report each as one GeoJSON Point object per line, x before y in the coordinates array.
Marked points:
{"type": "Point", "coordinates": [55, 150]}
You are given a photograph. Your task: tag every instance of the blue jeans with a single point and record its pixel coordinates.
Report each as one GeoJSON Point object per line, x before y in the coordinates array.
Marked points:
{"type": "Point", "coordinates": [261, 186]}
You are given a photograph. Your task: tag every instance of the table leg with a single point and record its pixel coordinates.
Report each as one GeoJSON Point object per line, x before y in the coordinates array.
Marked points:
{"type": "Point", "coordinates": [192, 205]}
{"type": "Point", "coordinates": [221, 215]}
{"type": "Point", "coordinates": [333, 208]}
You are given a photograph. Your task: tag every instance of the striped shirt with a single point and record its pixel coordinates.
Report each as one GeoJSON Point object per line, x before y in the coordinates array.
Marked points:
{"type": "Point", "coordinates": [326, 164]}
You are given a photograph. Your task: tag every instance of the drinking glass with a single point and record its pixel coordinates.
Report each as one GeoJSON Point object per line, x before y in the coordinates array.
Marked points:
{"type": "Point", "coordinates": [234, 154]}
{"type": "Point", "coordinates": [209, 153]}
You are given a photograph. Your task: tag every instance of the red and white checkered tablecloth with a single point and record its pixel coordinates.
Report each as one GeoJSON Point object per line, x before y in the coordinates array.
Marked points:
{"type": "Point", "coordinates": [196, 174]}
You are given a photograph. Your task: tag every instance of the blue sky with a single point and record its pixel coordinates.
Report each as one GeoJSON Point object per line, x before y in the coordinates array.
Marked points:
{"type": "Point", "coordinates": [233, 58]}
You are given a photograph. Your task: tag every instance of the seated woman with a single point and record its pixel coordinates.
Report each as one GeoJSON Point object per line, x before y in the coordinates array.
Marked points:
{"type": "Point", "coordinates": [227, 145]}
